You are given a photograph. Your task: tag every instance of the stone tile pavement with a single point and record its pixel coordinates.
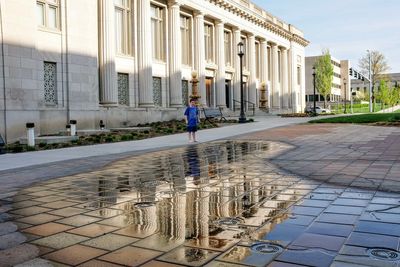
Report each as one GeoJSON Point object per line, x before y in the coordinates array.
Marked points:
{"type": "Point", "coordinates": [298, 195]}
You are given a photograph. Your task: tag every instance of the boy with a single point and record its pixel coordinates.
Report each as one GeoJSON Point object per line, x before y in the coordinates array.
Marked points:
{"type": "Point", "coordinates": [191, 118]}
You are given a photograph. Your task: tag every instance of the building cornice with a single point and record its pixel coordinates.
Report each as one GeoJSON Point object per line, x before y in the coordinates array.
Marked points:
{"type": "Point", "coordinates": [246, 13]}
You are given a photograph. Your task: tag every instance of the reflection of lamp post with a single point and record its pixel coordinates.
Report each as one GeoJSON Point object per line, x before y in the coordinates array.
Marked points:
{"type": "Point", "coordinates": [313, 74]}
{"type": "Point", "coordinates": [242, 117]}
{"type": "Point", "coordinates": [345, 96]}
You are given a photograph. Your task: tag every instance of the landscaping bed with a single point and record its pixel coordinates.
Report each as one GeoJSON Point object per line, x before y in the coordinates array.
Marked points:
{"type": "Point", "coordinates": [152, 130]}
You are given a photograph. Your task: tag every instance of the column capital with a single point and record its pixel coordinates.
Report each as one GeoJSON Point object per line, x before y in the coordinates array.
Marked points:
{"type": "Point", "coordinates": [198, 13]}
{"type": "Point", "coordinates": [263, 41]}
{"type": "Point", "coordinates": [236, 29]}
{"type": "Point", "coordinates": [283, 48]}
{"type": "Point", "coordinates": [176, 3]}
{"type": "Point", "coordinates": [219, 22]}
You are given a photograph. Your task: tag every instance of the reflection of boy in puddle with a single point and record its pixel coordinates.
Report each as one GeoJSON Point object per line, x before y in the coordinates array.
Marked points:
{"type": "Point", "coordinates": [194, 164]}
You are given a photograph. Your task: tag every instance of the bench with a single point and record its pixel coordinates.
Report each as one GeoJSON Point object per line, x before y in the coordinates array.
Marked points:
{"type": "Point", "coordinates": [211, 113]}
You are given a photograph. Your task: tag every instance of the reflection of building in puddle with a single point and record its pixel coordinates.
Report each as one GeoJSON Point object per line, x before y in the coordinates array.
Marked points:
{"type": "Point", "coordinates": [237, 254]}
{"type": "Point", "coordinates": [171, 216]}
{"type": "Point", "coordinates": [268, 227]}
{"type": "Point", "coordinates": [197, 210]}
{"type": "Point", "coordinates": [177, 195]}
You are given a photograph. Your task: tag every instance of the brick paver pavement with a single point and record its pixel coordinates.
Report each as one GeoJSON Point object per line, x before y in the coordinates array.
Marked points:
{"type": "Point", "coordinates": [325, 195]}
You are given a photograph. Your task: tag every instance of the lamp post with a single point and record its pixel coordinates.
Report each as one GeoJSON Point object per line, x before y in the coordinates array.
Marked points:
{"type": "Point", "coordinates": [371, 96]}
{"type": "Point", "coordinates": [313, 74]}
{"type": "Point", "coordinates": [345, 96]}
{"type": "Point", "coordinates": [242, 117]}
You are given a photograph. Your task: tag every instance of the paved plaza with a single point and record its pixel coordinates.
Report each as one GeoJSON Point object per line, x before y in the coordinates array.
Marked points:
{"type": "Point", "coordinates": [277, 192]}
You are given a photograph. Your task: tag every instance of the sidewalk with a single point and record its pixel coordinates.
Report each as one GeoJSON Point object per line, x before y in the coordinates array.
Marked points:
{"type": "Point", "coordinates": [12, 161]}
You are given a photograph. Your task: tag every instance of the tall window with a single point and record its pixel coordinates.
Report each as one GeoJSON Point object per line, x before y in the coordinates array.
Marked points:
{"type": "Point", "coordinates": [186, 39]}
{"type": "Point", "coordinates": [298, 75]}
{"type": "Point", "coordinates": [258, 60]}
{"type": "Point", "coordinates": [123, 26]}
{"type": "Point", "coordinates": [209, 42]}
{"type": "Point", "coordinates": [157, 31]}
{"type": "Point", "coordinates": [48, 13]}
{"type": "Point", "coordinates": [50, 83]}
{"type": "Point", "coordinates": [228, 48]}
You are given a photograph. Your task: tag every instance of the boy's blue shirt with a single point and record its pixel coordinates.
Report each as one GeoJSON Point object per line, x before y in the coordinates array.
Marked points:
{"type": "Point", "coordinates": [192, 113]}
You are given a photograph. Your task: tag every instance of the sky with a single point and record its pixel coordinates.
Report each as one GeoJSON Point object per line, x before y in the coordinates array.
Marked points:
{"type": "Point", "coordinates": [346, 27]}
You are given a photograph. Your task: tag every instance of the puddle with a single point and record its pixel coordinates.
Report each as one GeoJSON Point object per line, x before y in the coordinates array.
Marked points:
{"type": "Point", "coordinates": [220, 200]}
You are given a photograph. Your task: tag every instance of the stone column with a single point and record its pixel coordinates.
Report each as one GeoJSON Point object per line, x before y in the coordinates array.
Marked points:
{"type": "Point", "coordinates": [220, 54]}
{"type": "Point", "coordinates": [175, 55]}
{"type": "Point", "coordinates": [145, 58]}
{"type": "Point", "coordinates": [108, 76]}
{"type": "Point", "coordinates": [284, 79]}
{"type": "Point", "coordinates": [276, 103]}
{"type": "Point", "coordinates": [236, 62]}
{"type": "Point", "coordinates": [264, 67]}
{"type": "Point", "coordinates": [199, 54]}
{"type": "Point", "coordinates": [264, 62]}
{"type": "Point", "coordinates": [252, 67]}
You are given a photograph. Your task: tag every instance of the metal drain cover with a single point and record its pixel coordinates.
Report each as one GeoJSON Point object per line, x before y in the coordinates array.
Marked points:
{"type": "Point", "coordinates": [266, 248]}
{"type": "Point", "coordinates": [384, 254]}
{"type": "Point", "coordinates": [144, 204]}
{"type": "Point", "coordinates": [229, 221]}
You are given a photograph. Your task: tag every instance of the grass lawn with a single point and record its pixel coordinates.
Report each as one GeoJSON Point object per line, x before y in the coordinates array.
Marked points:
{"type": "Point", "coordinates": [363, 118]}
{"type": "Point", "coordinates": [357, 108]}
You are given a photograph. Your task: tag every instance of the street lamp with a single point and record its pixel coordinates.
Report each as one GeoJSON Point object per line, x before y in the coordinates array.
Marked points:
{"type": "Point", "coordinates": [345, 96]}
{"type": "Point", "coordinates": [242, 117]}
{"type": "Point", "coordinates": [371, 96]}
{"type": "Point", "coordinates": [313, 74]}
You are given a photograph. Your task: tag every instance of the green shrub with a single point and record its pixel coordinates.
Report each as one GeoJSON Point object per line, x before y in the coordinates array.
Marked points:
{"type": "Point", "coordinates": [30, 148]}
{"type": "Point", "coordinates": [126, 137]}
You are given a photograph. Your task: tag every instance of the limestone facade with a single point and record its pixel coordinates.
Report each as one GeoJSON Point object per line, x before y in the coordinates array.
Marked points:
{"type": "Point", "coordinates": [131, 61]}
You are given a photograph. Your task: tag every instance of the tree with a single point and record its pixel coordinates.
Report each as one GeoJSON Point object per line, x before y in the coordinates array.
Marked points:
{"type": "Point", "coordinates": [384, 93]}
{"type": "Point", "coordinates": [379, 66]}
{"type": "Point", "coordinates": [324, 74]}
{"type": "Point", "coordinates": [394, 96]}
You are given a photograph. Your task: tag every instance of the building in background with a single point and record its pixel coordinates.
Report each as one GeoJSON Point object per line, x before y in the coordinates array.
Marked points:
{"type": "Point", "coordinates": [126, 62]}
{"type": "Point", "coordinates": [341, 82]}
{"type": "Point", "coordinates": [362, 87]}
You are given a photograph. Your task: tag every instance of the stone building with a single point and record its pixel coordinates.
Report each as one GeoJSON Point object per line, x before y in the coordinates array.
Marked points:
{"type": "Point", "coordinates": [131, 61]}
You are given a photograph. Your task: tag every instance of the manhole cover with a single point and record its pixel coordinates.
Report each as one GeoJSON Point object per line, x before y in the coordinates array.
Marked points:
{"type": "Point", "coordinates": [144, 204]}
{"type": "Point", "coordinates": [384, 254]}
{"type": "Point", "coordinates": [229, 221]}
{"type": "Point", "coordinates": [266, 248]}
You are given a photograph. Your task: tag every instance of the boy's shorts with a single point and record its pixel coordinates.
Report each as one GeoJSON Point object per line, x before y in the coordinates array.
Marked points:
{"type": "Point", "coordinates": [192, 128]}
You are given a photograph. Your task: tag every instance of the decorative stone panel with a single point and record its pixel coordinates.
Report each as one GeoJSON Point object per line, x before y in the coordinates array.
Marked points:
{"type": "Point", "coordinates": [185, 92]}
{"type": "Point", "coordinates": [157, 91]}
{"type": "Point", "coordinates": [50, 83]}
{"type": "Point", "coordinates": [123, 89]}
